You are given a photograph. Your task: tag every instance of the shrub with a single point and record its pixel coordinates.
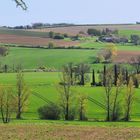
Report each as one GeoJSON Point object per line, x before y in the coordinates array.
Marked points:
{"type": "Point", "coordinates": [94, 32]}
{"type": "Point", "coordinates": [3, 51]}
{"type": "Point", "coordinates": [50, 112]}
{"type": "Point", "coordinates": [100, 59]}
{"type": "Point", "coordinates": [51, 34]}
{"type": "Point", "coordinates": [58, 36]}
{"type": "Point", "coordinates": [51, 45]}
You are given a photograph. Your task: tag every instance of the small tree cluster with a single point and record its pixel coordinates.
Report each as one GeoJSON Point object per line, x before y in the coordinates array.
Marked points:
{"type": "Point", "coordinates": [95, 32]}
{"type": "Point", "coordinates": [113, 96]}
{"type": "Point", "coordinates": [107, 54]}
{"type": "Point", "coordinates": [135, 39]}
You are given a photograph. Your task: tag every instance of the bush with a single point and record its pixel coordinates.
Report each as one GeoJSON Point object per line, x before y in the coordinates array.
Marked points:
{"type": "Point", "coordinates": [3, 51]}
{"type": "Point", "coordinates": [94, 32]}
{"type": "Point", "coordinates": [51, 34]}
{"type": "Point", "coordinates": [58, 36]}
{"type": "Point", "coordinates": [50, 112]}
{"type": "Point", "coordinates": [51, 45]}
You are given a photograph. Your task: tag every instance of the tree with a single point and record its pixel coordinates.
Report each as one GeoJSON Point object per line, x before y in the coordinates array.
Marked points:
{"type": "Point", "coordinates": [109, 52]}
{"type": "Point", "coordinates": [69, 69]}
{"type": "Point", "coordinates": [115, 113]}
{"type": "Point", "coordinates": [93, 78]}
{"type": "Point", "coordinates": [81, 71]}
{"type": "Point", "coordinates": [129, 98]}
{"type": "Point", "coordinates": [135, 62]}
{"type": "Point", "coordinates": [108, 91]}
{"type": "Point", "coordinates": [135, 39]}
{"type": "Point", "coordinates": [4, 51]}
{"type": "Point", "coordinates": [51, 34]}
{"type": "Point", "coordinates": [94, 32]}
{"type": "Point", "coordinates": [21, 3]}
{"type": "Point", "coordinates": [7, 103]}
{"type": "Point", "coordinates": [82, 105]}
{"type": "Point", "coordinates": [22, 94]}
{"type": "Point", "coordinates": [115, 74]}
{"type": "Point", "coordinates": [66, 96]}
{"type": "Point", "coordinates": [51, 45]}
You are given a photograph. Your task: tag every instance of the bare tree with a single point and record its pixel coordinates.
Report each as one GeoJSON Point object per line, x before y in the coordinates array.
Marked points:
{"type": "Point", "coordinates": [66, 95]}
{"type": "Point", "coordinates": [129, 99]}
{"type": "Point", "coordinates": [22, 94]}
{"type": "Point", "coordinates": [7, 103]}
{"type": "Point", "coordinates": [109, 52]}
{"type": "Point", "coordinates": [115, 100]}
{"type": "Point", "coordinates": [81, 71]}
{"type": "Point", "coordinates": [69, 69]}
{"type": "Point", "coordinates": [82, 105]}
{"type": "Point", "coordinates": [108, 91]}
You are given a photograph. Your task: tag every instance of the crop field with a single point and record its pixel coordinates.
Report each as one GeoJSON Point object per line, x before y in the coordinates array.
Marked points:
{"type": "Point", "coordinates": [35, 41]}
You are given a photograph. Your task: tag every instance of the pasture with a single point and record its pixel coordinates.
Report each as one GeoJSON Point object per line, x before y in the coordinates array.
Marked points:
{"type": "Point", "coordinates": [46, 83]}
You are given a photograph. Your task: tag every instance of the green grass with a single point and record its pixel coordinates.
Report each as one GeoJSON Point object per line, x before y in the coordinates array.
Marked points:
{"type": "Point", "coordinates": [128, 33]}
{"type": "Point", "coordinates": [78, 123]}
{"type": "Point", "coordinates": [53, 58]}
{"type": "Point", "coordinates": [46, 85]}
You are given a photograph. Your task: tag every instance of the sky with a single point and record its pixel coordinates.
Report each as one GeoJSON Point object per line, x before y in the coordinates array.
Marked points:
{"type": "Point", "coordinates": [70, 11]}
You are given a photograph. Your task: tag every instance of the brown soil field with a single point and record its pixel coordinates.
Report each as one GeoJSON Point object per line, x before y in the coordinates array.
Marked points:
{"type": "Point", "coordinates": [66, 132]}
{"type": "Point", "coordinates": [73, 30]}
{"type": "Point", "coordinates": [24, 40]}
{"type": "Point", "coordinates": [125, 56]}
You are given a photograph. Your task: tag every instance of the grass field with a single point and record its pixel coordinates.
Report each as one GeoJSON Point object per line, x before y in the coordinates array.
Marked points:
{"type": "Point", "coordinates": [46, 85]}
{"type": "Point", "coordinates": [32, 58]}
{"type": "Point", "coordinates": [52, 58]}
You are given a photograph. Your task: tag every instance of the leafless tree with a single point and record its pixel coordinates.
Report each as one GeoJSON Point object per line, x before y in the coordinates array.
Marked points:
{"type": "Point", "coordinates": [66, 95]}
{"type": "Point", "coordinates": [116, 100]}
{"type": "Point", "coordinates": [129, 99]}
{"type": "Point", "coordinates": [81, 70]}
{"type": "Point", "coordinates": [69, 69]}
{"type": "Point", "coordinates": [22, 94]}
{"type": "Point", "coordinates": [82, 105]}
{"type": "Point", "coordinates": [108, 91]}
{"type": "Point", "coordinates": [7, 103]}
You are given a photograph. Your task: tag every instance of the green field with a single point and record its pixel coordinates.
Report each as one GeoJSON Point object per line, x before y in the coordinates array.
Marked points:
{"type": "Point", "coordinates": [45, 84]}
{"type": "Point", "coordinates": [128, 33]}
{"type": "Point", "coordinates": [32, 58]}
